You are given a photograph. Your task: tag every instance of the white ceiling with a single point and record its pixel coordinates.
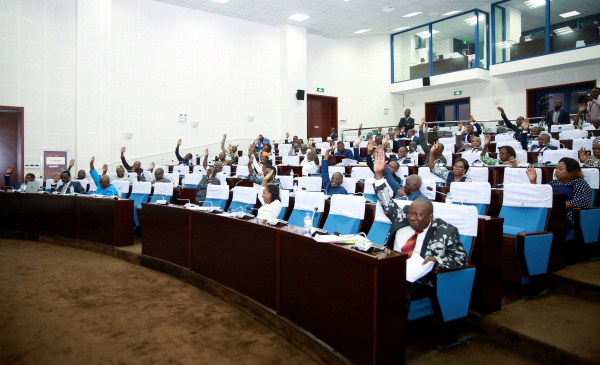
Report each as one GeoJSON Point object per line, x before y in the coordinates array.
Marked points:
{"type": "Point", "coordinates": [336, 18]}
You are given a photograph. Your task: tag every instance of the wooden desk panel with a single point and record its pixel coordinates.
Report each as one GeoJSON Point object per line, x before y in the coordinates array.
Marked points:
{"type": "Point", "coordinates": [238, 254]}
{"type": "Point", "coordinates": [52, 215]}
{"type": "Point", "coordinates": [167, 233]}
{"type": "Point", "coordinates": [9, 213]}
{"type": "Point", "coordinates": [106, 221]}
{"type": "Point", "coordinates": [487, 257]}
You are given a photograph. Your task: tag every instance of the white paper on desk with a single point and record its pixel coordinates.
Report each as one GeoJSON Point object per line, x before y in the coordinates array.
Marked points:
{"type": "Point", "coordinates": [349, 162]}
{"type": "Point", "coordinates": [163, 189]}
{"type": "Point", "coordinates": [414, 268]}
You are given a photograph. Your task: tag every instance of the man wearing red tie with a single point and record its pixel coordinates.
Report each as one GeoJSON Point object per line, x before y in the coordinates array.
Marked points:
{"type": "Point", "coordinates": [414, 230]}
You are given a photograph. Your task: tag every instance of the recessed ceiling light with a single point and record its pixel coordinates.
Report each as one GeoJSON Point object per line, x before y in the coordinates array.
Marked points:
{"type": "Point", "coordinates": [387, 9]}
{"type": "Point", "coordinates": [569, 14]}
{"type": "Point", "coordinates": [532, 4]}
{"type": "Point", "coordinates": [426, 34]}
{"type": "Point", "coordinates": [505, 44]}
{"type": "Point", "coordinates": [299, 17]}
{"type": "Point", "coordinates": [362, 31]}
{"type": "Point", "coordinates": [472, 20]}
{"type": "Point", "coordinates": [412, 14]}
{"type": "Point", "coordinates": [220, 1]}
{"type": "Point", "coordinates": [452, 12]}
{"type": "Point", "coordinates": [401, 28]}
{"type": "Point", "coordinates": [564, 30]}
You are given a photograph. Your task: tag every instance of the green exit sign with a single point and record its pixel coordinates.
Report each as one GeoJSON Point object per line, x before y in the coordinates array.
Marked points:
{"type": "Point", "coordinates": [320, 90]}
{"type": "Point", "coordinates": [458, 93]}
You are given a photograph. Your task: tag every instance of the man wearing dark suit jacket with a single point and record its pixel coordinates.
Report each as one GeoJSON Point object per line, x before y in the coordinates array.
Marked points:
{"type": "Point", "coordinates": [415, 230]}
{"type": "Point", "coordinates": [67, 186]}
{"type": "Point", "coordinates": [542, 144]}
{"type": "Point", "coordinates": [558, 115]}
{"type": "Point", "coordinates": [407, 121]}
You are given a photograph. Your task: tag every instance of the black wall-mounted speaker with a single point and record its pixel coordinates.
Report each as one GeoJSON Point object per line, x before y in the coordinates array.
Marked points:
{"type": "Point", "coordinates": [426, 81]}
{"type": "Point", "coordinates": [300, 95]}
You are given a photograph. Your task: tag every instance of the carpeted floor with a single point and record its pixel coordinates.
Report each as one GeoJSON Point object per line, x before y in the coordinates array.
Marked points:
{"type": "Point", "coordinates": [61, 305]}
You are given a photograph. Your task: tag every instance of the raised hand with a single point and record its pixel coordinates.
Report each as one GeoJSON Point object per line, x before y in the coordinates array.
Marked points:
{"type": "Point", "coordinates": [402, 129]}
{"type": "Point", "coordinates": [401, 192]}
{"type": "Point", "coordinates": [421, 123]}
{"type": "Point", "coordinates": [104, 168]}
{"type": "Point", "coordinates": [311, 142]}
{"type": "Point", "coordinates": [123, 150]}
{"type": "Point", "coordinates": [224, 137]}
{"type": "Point", "coordinates": [379, 162]}
{"type": "Point", "coordinates": [56, 177]}
{"type": "Point", "coordinates": [10, 169]}
{"type": "Point", "coordinates": [179, 142]}
{"type": "Point", "coordinates": [72, 162]}
{"type": "Point", "coordinates": [287, 135]}
{"type": "Point", "coordinates": [379, 129]}
{"type": "Point", "coordinates": [384, 141]}
{"type": "Point", "coordinates": [230, 148]}
{"type": "Point", "coordinates": [488, 139]}
{"type": "Point", "coordinates": [206, 153]}
{"type": "Point", "coordinates": [525, 125]}
{"type": "Point", "coordinates": [531, 174]}
{"type": "Point", "coordinates": [92, 160]}
{"type": "Point", "coordinates": [151, 167]}
{"type": "Point", "coordinates": [583, 155]}
{"type": "Point", "coordinates": [582, 107]}
{"type": "Point", "coordinates": [471, 119]}
{"type": "Point", "coordinates": [459, 124]}
{"type": "Point", "coordinates": [370, 147]}
{"type": "Point", "coordinates": [433, 148]}
{"type": "Point", "coordinates": [358, 139]}
{"type": "Point", "coordinates": [268, 177]}
{"type": "Point", "coordinates": [360, 126]}
{"type": "Point", "coordinates": [501, 110]}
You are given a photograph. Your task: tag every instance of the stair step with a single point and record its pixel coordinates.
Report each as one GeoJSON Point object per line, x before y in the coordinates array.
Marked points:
{"type": "Point", "coordinates": [580, 280]}
{"type": "Point", "coordinates": [553, 329]}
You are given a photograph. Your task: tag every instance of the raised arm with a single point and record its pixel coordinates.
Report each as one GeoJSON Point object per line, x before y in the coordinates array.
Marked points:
{"type": "Point", "coordinates": [422, 137]}
{"type": "Point", "coordinates": [123, 161]}
{"type": "Point", "coordinates": [179, 158]}
{"type": "Point", "coordinates": [325, 166]}
{"type": "Point", "coordinates": [223, 144]}
{"type": "Point", "coordinates": [205, 162]}
{"type": "Point", "coordinates": [93, 172]}
{"type": "Point", "coordinates": [486, 145]}
{"type": "Point", "coordinates": [477, 126]}
{"type": "Point", "coordinates": [524, 134]}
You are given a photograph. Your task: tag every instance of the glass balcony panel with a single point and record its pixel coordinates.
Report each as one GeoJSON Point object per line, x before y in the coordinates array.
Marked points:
{"type": "Point", "coordinates": [454, 43]}
{"type": "Point", "coordinates": [411, 54]}
{"type": "Point", "coordinates": [573, 24]}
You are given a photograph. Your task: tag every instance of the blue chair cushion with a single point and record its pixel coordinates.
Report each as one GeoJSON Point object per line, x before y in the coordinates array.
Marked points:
{"type": "Point", "coordinates": [344, 225]}
{"type": "Point", "coordinates": [379, 232]}
{"type": "Point", "coordinates": [512, 230]}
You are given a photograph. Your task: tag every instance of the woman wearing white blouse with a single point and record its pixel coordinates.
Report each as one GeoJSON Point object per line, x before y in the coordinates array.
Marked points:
{"type": "Point", "coordinates": [271, 203]}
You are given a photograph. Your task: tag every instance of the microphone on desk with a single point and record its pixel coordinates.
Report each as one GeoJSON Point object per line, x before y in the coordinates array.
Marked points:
{"type": "Point", "coordinates": [236, 184]}
{"type": "Point", "coordinates": [446, 195]}
{"type": "Point", "coordinates": [163, 201]}
{"type": "Point", "coordinates": [113, 195]}
{"type": "Point", "coordinates": [186, 205]}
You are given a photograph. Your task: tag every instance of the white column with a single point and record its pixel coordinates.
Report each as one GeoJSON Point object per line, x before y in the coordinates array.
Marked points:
{"type": "Point", "coordinates": [293, 78]}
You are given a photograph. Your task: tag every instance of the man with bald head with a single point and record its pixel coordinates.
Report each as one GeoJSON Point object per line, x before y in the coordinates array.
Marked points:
{"type": "Point", "coordinates": [543, 140]}
{"type": "Point", "coordinates": [333, 185]}
{"type": "Point", "coordinates": [159, 176]}
{"type": "Point", "coordinates": [414, 230]}
{"type": "Point", "coordinates": [135, 168]}
{"type": "Point", "coordinates": [104, 187]}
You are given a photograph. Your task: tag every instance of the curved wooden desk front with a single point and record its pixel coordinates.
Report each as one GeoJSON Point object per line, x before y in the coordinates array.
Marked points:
{"type": "Point", "coordinates": [352, 301]}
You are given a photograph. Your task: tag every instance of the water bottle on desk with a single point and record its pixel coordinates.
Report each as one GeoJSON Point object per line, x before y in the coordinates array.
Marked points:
{"type": "Point", "coordinates": [540, 159]}
{"type": "Point", "coordinates": [449, 198]}
{"type": "Point", "coordinates": [307, 225]}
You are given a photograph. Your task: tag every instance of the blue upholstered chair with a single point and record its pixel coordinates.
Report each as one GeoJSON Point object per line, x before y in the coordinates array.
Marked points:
{"type": "Point", "coordinates": [243, 197]}
{"type": "Point", "coordinates": [306, 201]}
{"type": "Point", "coordinates": [217, 196]}
{"type": "Point", "coordinates": [477, 194]}
{"type": "Point", "coordinates": [346, 213]}
{"type": "Point", "coordinates": [162, 191]}
{"type": "Point", "coordinates": [380, 228]}
{"type": "Point", "coordinates": [526, 243]}
{"type": "Point", "coordinates": [140, 191]}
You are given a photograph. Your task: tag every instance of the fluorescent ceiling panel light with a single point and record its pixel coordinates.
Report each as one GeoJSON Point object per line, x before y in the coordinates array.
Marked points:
{"type": "Point", "coordinates": [426, 34]}
{"type": "Point", "coordinates": [299, 17]}
{"type": "Point", "coordinates": [472, 20]}
{"type": "Point", "coordinates": [401, 28]}
{"type": "Point", "coordinates": [412, 14]}
{"type": "Point", "coordinates": [451, 13]}
{"type": "Point", "coordinates": [569, 14]}
{"type": "Point", "coordinates": [362, 31]}
{"type": "Point", "coordinates": [564, 30]}
{"type": "Point", "coordinates": [532, 4]}
{"type": "Point", "coordinates": [387, 9]}
{"type": "Point", "coordinates": [505, 44]}
{"type": "Point", "coordinates": [220, 1]}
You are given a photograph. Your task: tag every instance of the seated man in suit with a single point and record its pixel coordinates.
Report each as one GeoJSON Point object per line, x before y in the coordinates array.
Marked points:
{"type": "Point", "coordinates": [187, 160]}
{"type": "Point", "coordinates": [29, 177]}
{"type": "Point", "coordinates": [410, 134]}
{"type": "Point", "coordinates": [135, 168]}
{"type": "Point", "coordinates": [469, 131]}
{"type": "Point", "coordinates": [402, 159]}
{"type": "Point", "coordinates": [202, 186]}
{"type": "Point", "coordinates": [104, 187]}
{"type": "Point", "coordinates": [514, 127]}
{"type": "Point", "coordinates": [543, 141]}
{"type": "Point", "coordinates": [343, 151]}
{"type": "Point", "coordinates": [333, 185]}
{"type": "Point", "coordinates": [67, 186]}
{"type": "Point", "coordinates": [415, 230]}
{"type": "Point", "coordinates": [558, 115]}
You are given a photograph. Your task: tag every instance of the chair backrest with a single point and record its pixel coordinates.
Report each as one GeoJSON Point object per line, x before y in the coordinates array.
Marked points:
{"type": "Point", "coordinates": [222, 178]}
{"type": "Point", "coordinates": [148, 175]}
{"type": "Point", "coordinates": [518, 175]}
{"type": "Point", "coordinates": [48, 185]}
{"type": "Point", "coordinates": [322, 145]}
{"type": "Point", "coordinates": [446, 141]}
{"type": "Point", "coordinates": [516, 145]}
{"type": "Point", "coordinates": [381, 226]}
{"type": "Point", "coordinates": [591, 177]}
{"type": "Point", "coordinates": [430, 194]}
{"type": "Point", "coordinates": [349, 183]}
{"type": "Point", "coordinates": [287, 182]}
{"type": "Point", "coordinates": [226, 170]}
{"type": "Point", "coordinates": [243, 160]}
{"type": "Point", "coordinates": [291, 160]}
{"type": "Point", "coordinates": [556, 155]}
{"type": "Point", "coordinates": [362, 173]}
{"type": "Point", "coordinates": [562, 127]}
{"type": "Point", "coordinates": [199, 169]}
{"type": "Point", "coordinates": [521, 155]}
{"type": "Point", "coordinates": [242, 170]}
{"type": "Point", "coordinates": [574, 134]}
{"type": "Point", "coordinates": [133, 177]}
{"type": "Point", "coordinates": [479, 174]}
{"type": "Point", "coordinates": [463, 217]}
{"type": "Point", "coordinates": [345, 214]}
{"type": "Point", "coordinates": [426, 174]}
{"type": "Point", "coordinates": [500, 138]}
{"type": "Point", "coordinates": [173, 178]}
{"type": "Point", "coordinates": [448, 156]}
{"type": "Point", "coordinates": [217, 195]}
{"type": "Point", "coordinates": [306, 201]}
{"type": "Point", "coordinates": [472, 192]}
{"type": "Point", "coordinates": [140, 192]}
{"type": "Point", "coordinates": [181, 170]}
{"type": "Point", "coordinates": [350, 138]}
{"type": "Point", "coordinates": [162, 190]}
{"type": "Point", "coordinates": [470, 156]}
{"type": "Point", "coordinates": [334, 169]}
{"type": "Point", "coordinates": [191, 180]}
{"type": "Point", "coordinates": [582, 143]}
{"type": "Point", "coordinates": [164, 167]}
{"type": "Point", "coordinates": [122, 187]}
{"type": "Point", "coordinates": [310, 183]}
{"type": "Point", "coordinates": [284, 146]}
{"type": "Point", "coordinates": [526, 206]}
{"type": "Point", "coordinates": [243, 197]}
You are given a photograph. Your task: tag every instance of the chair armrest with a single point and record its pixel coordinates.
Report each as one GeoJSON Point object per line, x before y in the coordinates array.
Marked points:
{"type": "Point", "coordinates": [525, 234]}
{"type": "Point", "coordinates": [442, 271]}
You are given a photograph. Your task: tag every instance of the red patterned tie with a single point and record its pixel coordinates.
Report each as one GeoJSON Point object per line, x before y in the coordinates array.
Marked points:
{"type": "Point", "coordinates": [409, 246]}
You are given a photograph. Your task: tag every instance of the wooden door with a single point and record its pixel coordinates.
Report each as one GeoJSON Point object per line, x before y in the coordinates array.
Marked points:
{"type": "Point", "coordinates": [321, 116]}
{"type": "Point", "coordinates": [11, 142]}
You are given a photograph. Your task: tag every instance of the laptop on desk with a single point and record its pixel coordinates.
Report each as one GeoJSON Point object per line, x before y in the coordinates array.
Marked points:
{"type": "Point", "coordinates": [32, 187]}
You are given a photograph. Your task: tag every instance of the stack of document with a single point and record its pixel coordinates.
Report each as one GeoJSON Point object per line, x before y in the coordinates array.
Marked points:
{"type": "Point", "coordinates": [415, 268]}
